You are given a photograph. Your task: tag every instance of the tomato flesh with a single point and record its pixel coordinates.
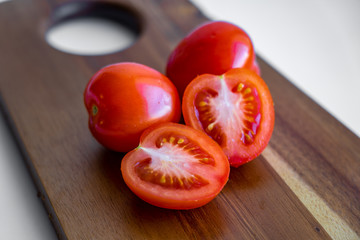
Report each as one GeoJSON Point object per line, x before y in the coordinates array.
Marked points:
{"type": "Point", "coordinates": [234, 109]}
{"type": "Point", "coordinates": [175, 167]}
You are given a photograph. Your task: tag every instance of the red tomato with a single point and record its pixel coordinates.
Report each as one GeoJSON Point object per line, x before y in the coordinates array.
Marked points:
{"type": "Point", "coordinates": [234, 109]}
{"type": "Point", "coordinates": [175, 167]}
{"type": "Point", "coordinates": [214, 47]}
{"type": "Point", "coordinates": [126, 98]}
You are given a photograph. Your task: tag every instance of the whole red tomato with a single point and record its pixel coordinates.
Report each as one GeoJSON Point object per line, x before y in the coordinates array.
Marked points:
{"type": "Point", "coordinates": [214, 47]}
{"type": "Point", "coordinates": [124, 99]}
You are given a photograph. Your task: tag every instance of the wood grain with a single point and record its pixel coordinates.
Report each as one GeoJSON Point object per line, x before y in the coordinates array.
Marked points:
{"type": "Point", "coordinates": [80, 182]}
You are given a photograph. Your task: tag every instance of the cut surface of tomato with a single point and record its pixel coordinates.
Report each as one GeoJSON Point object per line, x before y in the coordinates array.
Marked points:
{"type": "Point", "coordinates": [234, 109]}
{"type": "Point", "coordinates": [175, 167]}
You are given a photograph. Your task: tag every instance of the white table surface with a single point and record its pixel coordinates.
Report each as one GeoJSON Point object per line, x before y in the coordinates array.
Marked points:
{"type": "Point", "coordinates": [315, 44]}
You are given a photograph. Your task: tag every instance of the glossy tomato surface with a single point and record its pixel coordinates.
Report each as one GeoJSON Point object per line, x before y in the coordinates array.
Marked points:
{"type": "Point", "coordinates": [124, 99]}
{"type": "Point", "coordinates": [214, 47]}
{"type": "Point", "coordinates": [235, 109]}
{"type": "Point", "coordinates": [175, 167]}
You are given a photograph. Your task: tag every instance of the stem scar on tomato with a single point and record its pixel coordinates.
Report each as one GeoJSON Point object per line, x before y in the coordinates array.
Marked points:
{"type": "Point", "coordinates": [94, 110]}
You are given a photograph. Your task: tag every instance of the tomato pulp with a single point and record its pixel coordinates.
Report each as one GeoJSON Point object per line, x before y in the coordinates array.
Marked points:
{"type": "Point", "coordinates": [124, 99]}
{"type": "Point", "coordinates": [235, 109]}
{"type": "Point", "coordinates": [214, 47]}
{"type": "Point", "coordinates": [175, 167]}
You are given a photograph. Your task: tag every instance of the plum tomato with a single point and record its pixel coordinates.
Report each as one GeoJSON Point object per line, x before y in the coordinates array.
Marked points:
{"type": "Point", "coordinates": [235, 109]}
{"type": "Point", "coordinates": [175, 167]}
{"type": "Point", "coordinates": [213, 47]}
{"type": "Point", "coordinates": [124, 99]}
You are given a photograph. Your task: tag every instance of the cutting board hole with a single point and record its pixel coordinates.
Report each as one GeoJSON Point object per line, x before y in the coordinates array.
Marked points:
{"type": "Point", "coordinates": [93, 28]}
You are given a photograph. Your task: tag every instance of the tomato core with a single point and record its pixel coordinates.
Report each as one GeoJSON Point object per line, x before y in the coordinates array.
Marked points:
{"type": "Point", "coordinates": [237, 106]}
{"type": "Point", "coordinates": [169, 165]}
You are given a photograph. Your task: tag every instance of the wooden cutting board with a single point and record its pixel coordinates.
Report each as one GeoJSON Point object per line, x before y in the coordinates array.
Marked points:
{"type": "Point", "coordinates": [305, 185]}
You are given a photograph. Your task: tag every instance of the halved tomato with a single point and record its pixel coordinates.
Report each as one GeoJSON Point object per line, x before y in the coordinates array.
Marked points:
{"type": "Point", "coordinates": [175, 167]}
{"type": "Point", "coordinates": [235, 109]}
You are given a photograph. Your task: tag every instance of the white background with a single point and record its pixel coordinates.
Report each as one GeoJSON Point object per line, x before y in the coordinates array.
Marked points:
{"type": "Point", "coordinates": [315, 44]}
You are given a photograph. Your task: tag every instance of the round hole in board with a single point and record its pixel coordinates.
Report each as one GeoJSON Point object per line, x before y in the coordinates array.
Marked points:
{"type": "Point", "coordinates": [93, 28]}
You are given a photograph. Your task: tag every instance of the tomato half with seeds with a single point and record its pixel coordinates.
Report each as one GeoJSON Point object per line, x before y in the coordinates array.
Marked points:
{"type": "Point", "coordinates": [235, 109]}
{"type": "Point", "coordinates": [123, 99]}
{"type": "Point", "coordinates": [175, 167]}
{"type": "Point", "coordinates": [214, 48]}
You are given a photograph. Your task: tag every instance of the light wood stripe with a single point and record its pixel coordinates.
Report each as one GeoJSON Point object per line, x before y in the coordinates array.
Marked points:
{"type": "Point", "coordinates": [336, 227]}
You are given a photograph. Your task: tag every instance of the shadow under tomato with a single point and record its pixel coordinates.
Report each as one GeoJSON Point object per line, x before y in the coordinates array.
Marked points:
{"type": "Point", "coordinates": [109, 162]}
{"type": "Point", "coordinates": [248, 176]}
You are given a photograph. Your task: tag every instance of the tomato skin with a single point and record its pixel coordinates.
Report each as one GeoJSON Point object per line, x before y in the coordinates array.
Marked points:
{"type": "Point", "coordinates": [124, 99]}
{"type": "Point", "coordinates": [257, 127]}
{"type": "Point", "coordinates": [216, 174]}
{"type": "Point", "coordinates": [214, 47]}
